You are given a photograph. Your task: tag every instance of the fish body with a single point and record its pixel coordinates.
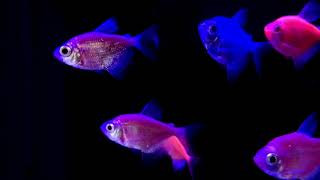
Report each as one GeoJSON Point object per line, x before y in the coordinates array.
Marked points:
{"type": "Point", "coordinates": [139, 132]}
{"type": "Point", "coordinates": [95, 50]}
{"type": "Point", "coordinates": [229, 44]}
{"type": "Point", "coordinates": [145, 133]}
{"type": "Point", "coordinates": [292, 156]}
{"type": "Point", "coordinates": [294, 36]}
{"type": "Point", "coordinates": [102, 49]}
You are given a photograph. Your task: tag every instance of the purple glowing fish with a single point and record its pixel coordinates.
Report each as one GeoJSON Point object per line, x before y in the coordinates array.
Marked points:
{"type": "Point", "coordinates": [143, 132]}
{"type": "Point", "coordinates": [293, 156]}
{"type": "Point", "coordinates": [101, 49]}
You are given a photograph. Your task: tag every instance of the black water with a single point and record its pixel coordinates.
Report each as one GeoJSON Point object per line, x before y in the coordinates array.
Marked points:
{"type": "Point", "coordinates": [51, 113]}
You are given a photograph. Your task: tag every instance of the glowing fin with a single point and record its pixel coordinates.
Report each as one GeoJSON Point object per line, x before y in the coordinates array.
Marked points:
{"type": "Point", "coordinates": [311, 11]}
{"type": "Point", "coordinates": [110, 26]}
{"type": "Point", "coordinates": [148, 42]}
{"type": "Point", "coordinates": [241, 17]}
{"type": "Point", "coordinates": [119, 68]}
{"type": "Point", "coordinates": [309, 125]}
{"type": "Point", "coordinates": [152, 109]}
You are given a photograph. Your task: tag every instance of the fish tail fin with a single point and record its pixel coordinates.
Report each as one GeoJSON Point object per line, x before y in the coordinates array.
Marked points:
{"type": "Point", "coordinates": [148, 42]}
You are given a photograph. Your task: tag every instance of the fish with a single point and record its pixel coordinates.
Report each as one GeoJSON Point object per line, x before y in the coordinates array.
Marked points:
{"type": "Point", "coordinates": [294, 36]}
{"type": "Point", "coordinates": [226, 41]}
{"type": "Point", "coordinates": [295, 155]}
{"type": "Point", "coordinates": [144, 132]}
{"type": "Point", "coordinates": [104, 50]}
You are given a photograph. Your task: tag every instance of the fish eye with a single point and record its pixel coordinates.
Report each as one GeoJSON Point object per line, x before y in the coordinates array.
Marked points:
{"type": "Point", "coordinates": [110, 127]}
{"type": "Point", "coordinates": [212, 29]}
{"type": "Point", "coordinates": [272, 159]}
{"type": "Point", "coordinates": [65, 51]}
{"type": "Point", "coordinates": [277, 29]}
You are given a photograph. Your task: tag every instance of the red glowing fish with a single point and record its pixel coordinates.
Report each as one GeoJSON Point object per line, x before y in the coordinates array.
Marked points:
{"type": "Point", "coordinates": [143, 132]}
{"type": "Point", "coordinates": [101, 49]}
{"type": "Point", "coordinates": [294, 36]}
{"type": "Point", "coordinates": [293, 156]}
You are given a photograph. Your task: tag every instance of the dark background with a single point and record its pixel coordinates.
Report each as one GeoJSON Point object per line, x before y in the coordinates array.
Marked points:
{"type": "Point", "coordinates": [51, 113]}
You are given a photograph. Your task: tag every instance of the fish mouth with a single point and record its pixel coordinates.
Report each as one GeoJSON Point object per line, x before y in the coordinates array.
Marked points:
{"type": "Point", "coordinates": [268, 32]}
{"type": "Point", "coordinates": [214, 44]}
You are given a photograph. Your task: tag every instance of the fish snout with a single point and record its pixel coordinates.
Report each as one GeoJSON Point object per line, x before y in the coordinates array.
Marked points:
{"type": "Point", "coordinates": [259, 160]}
{"type": "Point", "coordinates": [268, 32]}
{"type": "Point", "coordinates": [57, 55]}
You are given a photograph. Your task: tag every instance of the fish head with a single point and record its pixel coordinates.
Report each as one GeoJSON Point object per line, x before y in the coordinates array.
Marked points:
{"type": "Point", "coordinates": [274, 32]}
{"type": "Point", "coordinates": [113, 130]}
{"type": "Point", "coordinates": [285, 33]}
{"type": "Point", "coordinates": [279, 158]}
{"type": "Point", "coordinates": [69, 53]}
{"type": "Point", "coordinates": [223, 38]}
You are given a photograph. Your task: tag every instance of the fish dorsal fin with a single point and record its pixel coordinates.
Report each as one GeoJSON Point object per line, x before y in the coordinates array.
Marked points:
{"type": "Point", "coordinates": [309, 125]}
{"type": "Point", "coordinates": [152, 109]}
{"type": "Point", "coordinates": [311, 11]}
{"type": "Point", "coordinates": [171, 124]}
{"type": "Point", "coordinates": [110, 26]}
{"type": "Point", "coordinates": [241, 17]}
{"type": "Point", "coordinates": [127, 35]}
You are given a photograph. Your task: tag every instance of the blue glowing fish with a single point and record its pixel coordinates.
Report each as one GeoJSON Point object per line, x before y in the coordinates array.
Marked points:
{"type": "Point", "coordinates": [142, 131]}
{"type": "Point", "coordinates": [227, 43]}
{"type": "Point", "coordinates": [102, 49]}
{"type": "Point", "coordinates": [293, 156]}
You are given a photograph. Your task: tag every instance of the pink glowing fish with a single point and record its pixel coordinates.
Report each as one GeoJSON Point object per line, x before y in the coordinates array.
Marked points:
{"type": "Point", "coordinates": [143, 132]}
{"type": "Point", "coordinates": [101, 49]}
{"type": "Point", "coordinates": [293, 156]}
{"type": "Point", "coordinates": [294, 36]}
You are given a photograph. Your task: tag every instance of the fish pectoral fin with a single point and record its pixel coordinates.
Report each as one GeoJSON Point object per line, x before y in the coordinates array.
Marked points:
{"type": "Point", "coordinates": [110, 26]}
{"type": "Point", "coordinates": [119, 68]}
